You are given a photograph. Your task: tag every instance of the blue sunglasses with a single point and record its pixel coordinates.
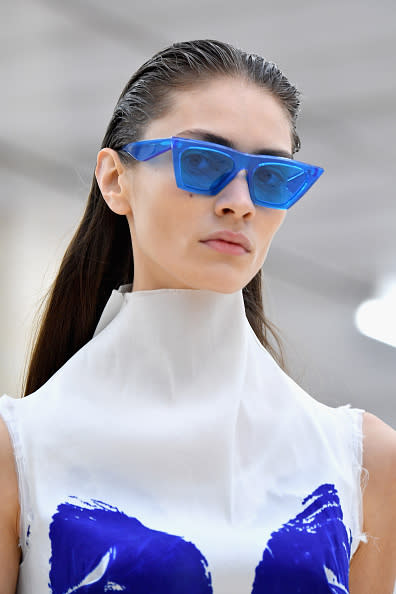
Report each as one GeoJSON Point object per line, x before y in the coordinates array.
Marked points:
{"type": "Point", "coordinates": [206, 168]}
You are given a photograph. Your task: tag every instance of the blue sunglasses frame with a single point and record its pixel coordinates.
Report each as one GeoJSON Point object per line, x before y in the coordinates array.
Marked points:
{"type": "Point", "coordinates": [299, 176]}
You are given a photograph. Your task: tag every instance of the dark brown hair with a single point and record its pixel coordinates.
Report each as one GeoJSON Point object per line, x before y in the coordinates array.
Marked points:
{"type": "Point", "coordinates": [99, 257]}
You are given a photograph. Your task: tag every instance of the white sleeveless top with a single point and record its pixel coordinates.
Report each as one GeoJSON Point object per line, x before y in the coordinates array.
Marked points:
{"type": "Point", "coordinates": [172, 455]}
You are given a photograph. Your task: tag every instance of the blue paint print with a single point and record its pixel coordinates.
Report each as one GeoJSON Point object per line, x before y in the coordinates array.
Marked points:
{"type": "Point", "coordinates": [96, 549]}
{"type": "Point", "coordinates": [310, 553]}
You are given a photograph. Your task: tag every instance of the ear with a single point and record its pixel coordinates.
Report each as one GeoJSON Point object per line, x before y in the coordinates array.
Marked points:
{"type": "Point", "coordinates": [113, 181]}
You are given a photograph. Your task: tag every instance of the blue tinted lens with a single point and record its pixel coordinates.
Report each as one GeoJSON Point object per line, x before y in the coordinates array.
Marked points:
{"type": "Point", "coordinates": [204, 169]}
{"type": "Point", "coordinates": [276, 182]}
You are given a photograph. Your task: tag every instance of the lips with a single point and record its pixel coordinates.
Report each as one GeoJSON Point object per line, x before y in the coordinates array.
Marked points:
{"type": "Point", "coordinates": [231, 237]}
{"type": "Point", "coordinates": [225, 247]}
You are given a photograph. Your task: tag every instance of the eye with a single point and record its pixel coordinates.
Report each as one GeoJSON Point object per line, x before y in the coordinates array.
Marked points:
{"type": "Point", "coordinates": [204, 162]}
{"type": "Point", "coordinates": [270, 177]}
{"type": "Point", "coordinates": [196, 162]}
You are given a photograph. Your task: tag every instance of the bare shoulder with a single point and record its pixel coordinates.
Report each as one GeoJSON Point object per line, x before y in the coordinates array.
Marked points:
{"type": "Point", "coordinates": [10, 553]}
{"type": "Point", "coordinates": [8, 479]}
{"type": "Point", "coordinates": [373, 567]}
{"type": "Point", "coordinates": [379, 445]}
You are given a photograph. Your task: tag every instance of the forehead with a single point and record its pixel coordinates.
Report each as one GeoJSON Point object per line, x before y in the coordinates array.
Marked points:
{"type": "Point", "coordinates": [249, 116]}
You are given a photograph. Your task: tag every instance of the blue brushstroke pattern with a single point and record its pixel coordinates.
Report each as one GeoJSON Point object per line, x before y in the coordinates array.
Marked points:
{"type": "Point", "coordinates": [310, 554]}
{"type": "Point", "coordinates": [96, 549]}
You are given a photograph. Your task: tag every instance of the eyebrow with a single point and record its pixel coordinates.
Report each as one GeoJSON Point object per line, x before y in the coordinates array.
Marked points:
{"type": "Point", "coordinates": [210, 137]}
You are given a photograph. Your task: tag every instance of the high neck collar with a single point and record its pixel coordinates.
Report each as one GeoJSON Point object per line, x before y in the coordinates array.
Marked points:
{"type": "Point", "coordinates": [176, 387]}
{"type": "Point", "coordinates": [189, 343]}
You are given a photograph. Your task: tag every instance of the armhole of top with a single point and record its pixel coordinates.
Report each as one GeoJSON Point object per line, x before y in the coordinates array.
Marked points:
{"type": "Point", "coordinates": [360, 478]}
{"type": "Point", "coordinates": [7, 412]}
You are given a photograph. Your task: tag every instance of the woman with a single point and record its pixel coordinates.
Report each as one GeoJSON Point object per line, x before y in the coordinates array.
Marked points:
{"type": "Point", "coordinates": [161, 447]}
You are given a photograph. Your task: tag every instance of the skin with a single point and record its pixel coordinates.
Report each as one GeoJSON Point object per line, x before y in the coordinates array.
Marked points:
{"type": "Point", "coordinates": [168, 224]}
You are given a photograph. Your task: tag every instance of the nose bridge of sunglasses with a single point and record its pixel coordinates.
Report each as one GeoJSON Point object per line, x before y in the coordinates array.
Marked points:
{"type": "Point", "coordinates": [241, 175]}
{"type": "Point", "coordinates": [245, 163]}
{"type": "Point", "coordinates": [242, 164]}
{"type": "Point", "coordinates": [241, 172]}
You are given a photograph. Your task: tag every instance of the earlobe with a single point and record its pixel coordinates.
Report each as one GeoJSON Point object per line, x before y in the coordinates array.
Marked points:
{"type": "Point", "coordinates": [110, 175]}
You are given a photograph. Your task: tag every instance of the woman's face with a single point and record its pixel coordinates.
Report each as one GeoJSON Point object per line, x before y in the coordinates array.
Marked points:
{"type": "Point", "coordinates": [168, 225]}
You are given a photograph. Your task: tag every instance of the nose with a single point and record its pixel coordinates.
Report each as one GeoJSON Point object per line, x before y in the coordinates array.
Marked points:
{"type": "Point", "coordinates": [235, 197]}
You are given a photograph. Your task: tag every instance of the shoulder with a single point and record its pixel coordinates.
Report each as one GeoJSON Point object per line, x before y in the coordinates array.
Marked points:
{"type": "Point", "coordinates": [9, 510]}
{"type": "Point", "coordinates": [10, 552]}
{"type": "Point", "coordinates": [373, 567]}
{"type": "Point", "coordinates": [379, 458]}
{"type": "Point", "coordinates": [379, 445]}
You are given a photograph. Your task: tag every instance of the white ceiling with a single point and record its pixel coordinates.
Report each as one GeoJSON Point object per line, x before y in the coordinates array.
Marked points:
{"type": "Point", "coordinates": [63, 66]}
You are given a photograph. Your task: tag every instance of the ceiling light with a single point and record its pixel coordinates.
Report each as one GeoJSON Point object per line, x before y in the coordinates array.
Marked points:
{"type": "Point", "coordinates": [376, 318]}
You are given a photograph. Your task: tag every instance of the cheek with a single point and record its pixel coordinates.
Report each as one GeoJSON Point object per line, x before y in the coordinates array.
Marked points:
{"type": "Point", "coordinates": [279, 217]}
{"type": "Point", "coordinates": [162, 216]}
{"type": "Point", "coordinates": [272, 220]}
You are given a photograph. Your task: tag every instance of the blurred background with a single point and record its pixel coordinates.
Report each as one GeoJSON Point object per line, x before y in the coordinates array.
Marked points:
{"type": "Point", "coordinates": [63, 66]}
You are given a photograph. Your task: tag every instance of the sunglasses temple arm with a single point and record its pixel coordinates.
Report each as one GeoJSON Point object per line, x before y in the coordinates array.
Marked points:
{"type": "Point", "coordinates": [147, 149]}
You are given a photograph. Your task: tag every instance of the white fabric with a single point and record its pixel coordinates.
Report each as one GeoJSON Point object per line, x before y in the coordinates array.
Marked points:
{"type": "Point", "coordinates": [175, 415]}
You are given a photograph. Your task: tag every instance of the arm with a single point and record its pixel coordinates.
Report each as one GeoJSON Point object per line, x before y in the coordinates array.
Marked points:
{"type": "Point", "coordinates": [9, 515]}
{"type": "Point", "coordinates": [373, 567]}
